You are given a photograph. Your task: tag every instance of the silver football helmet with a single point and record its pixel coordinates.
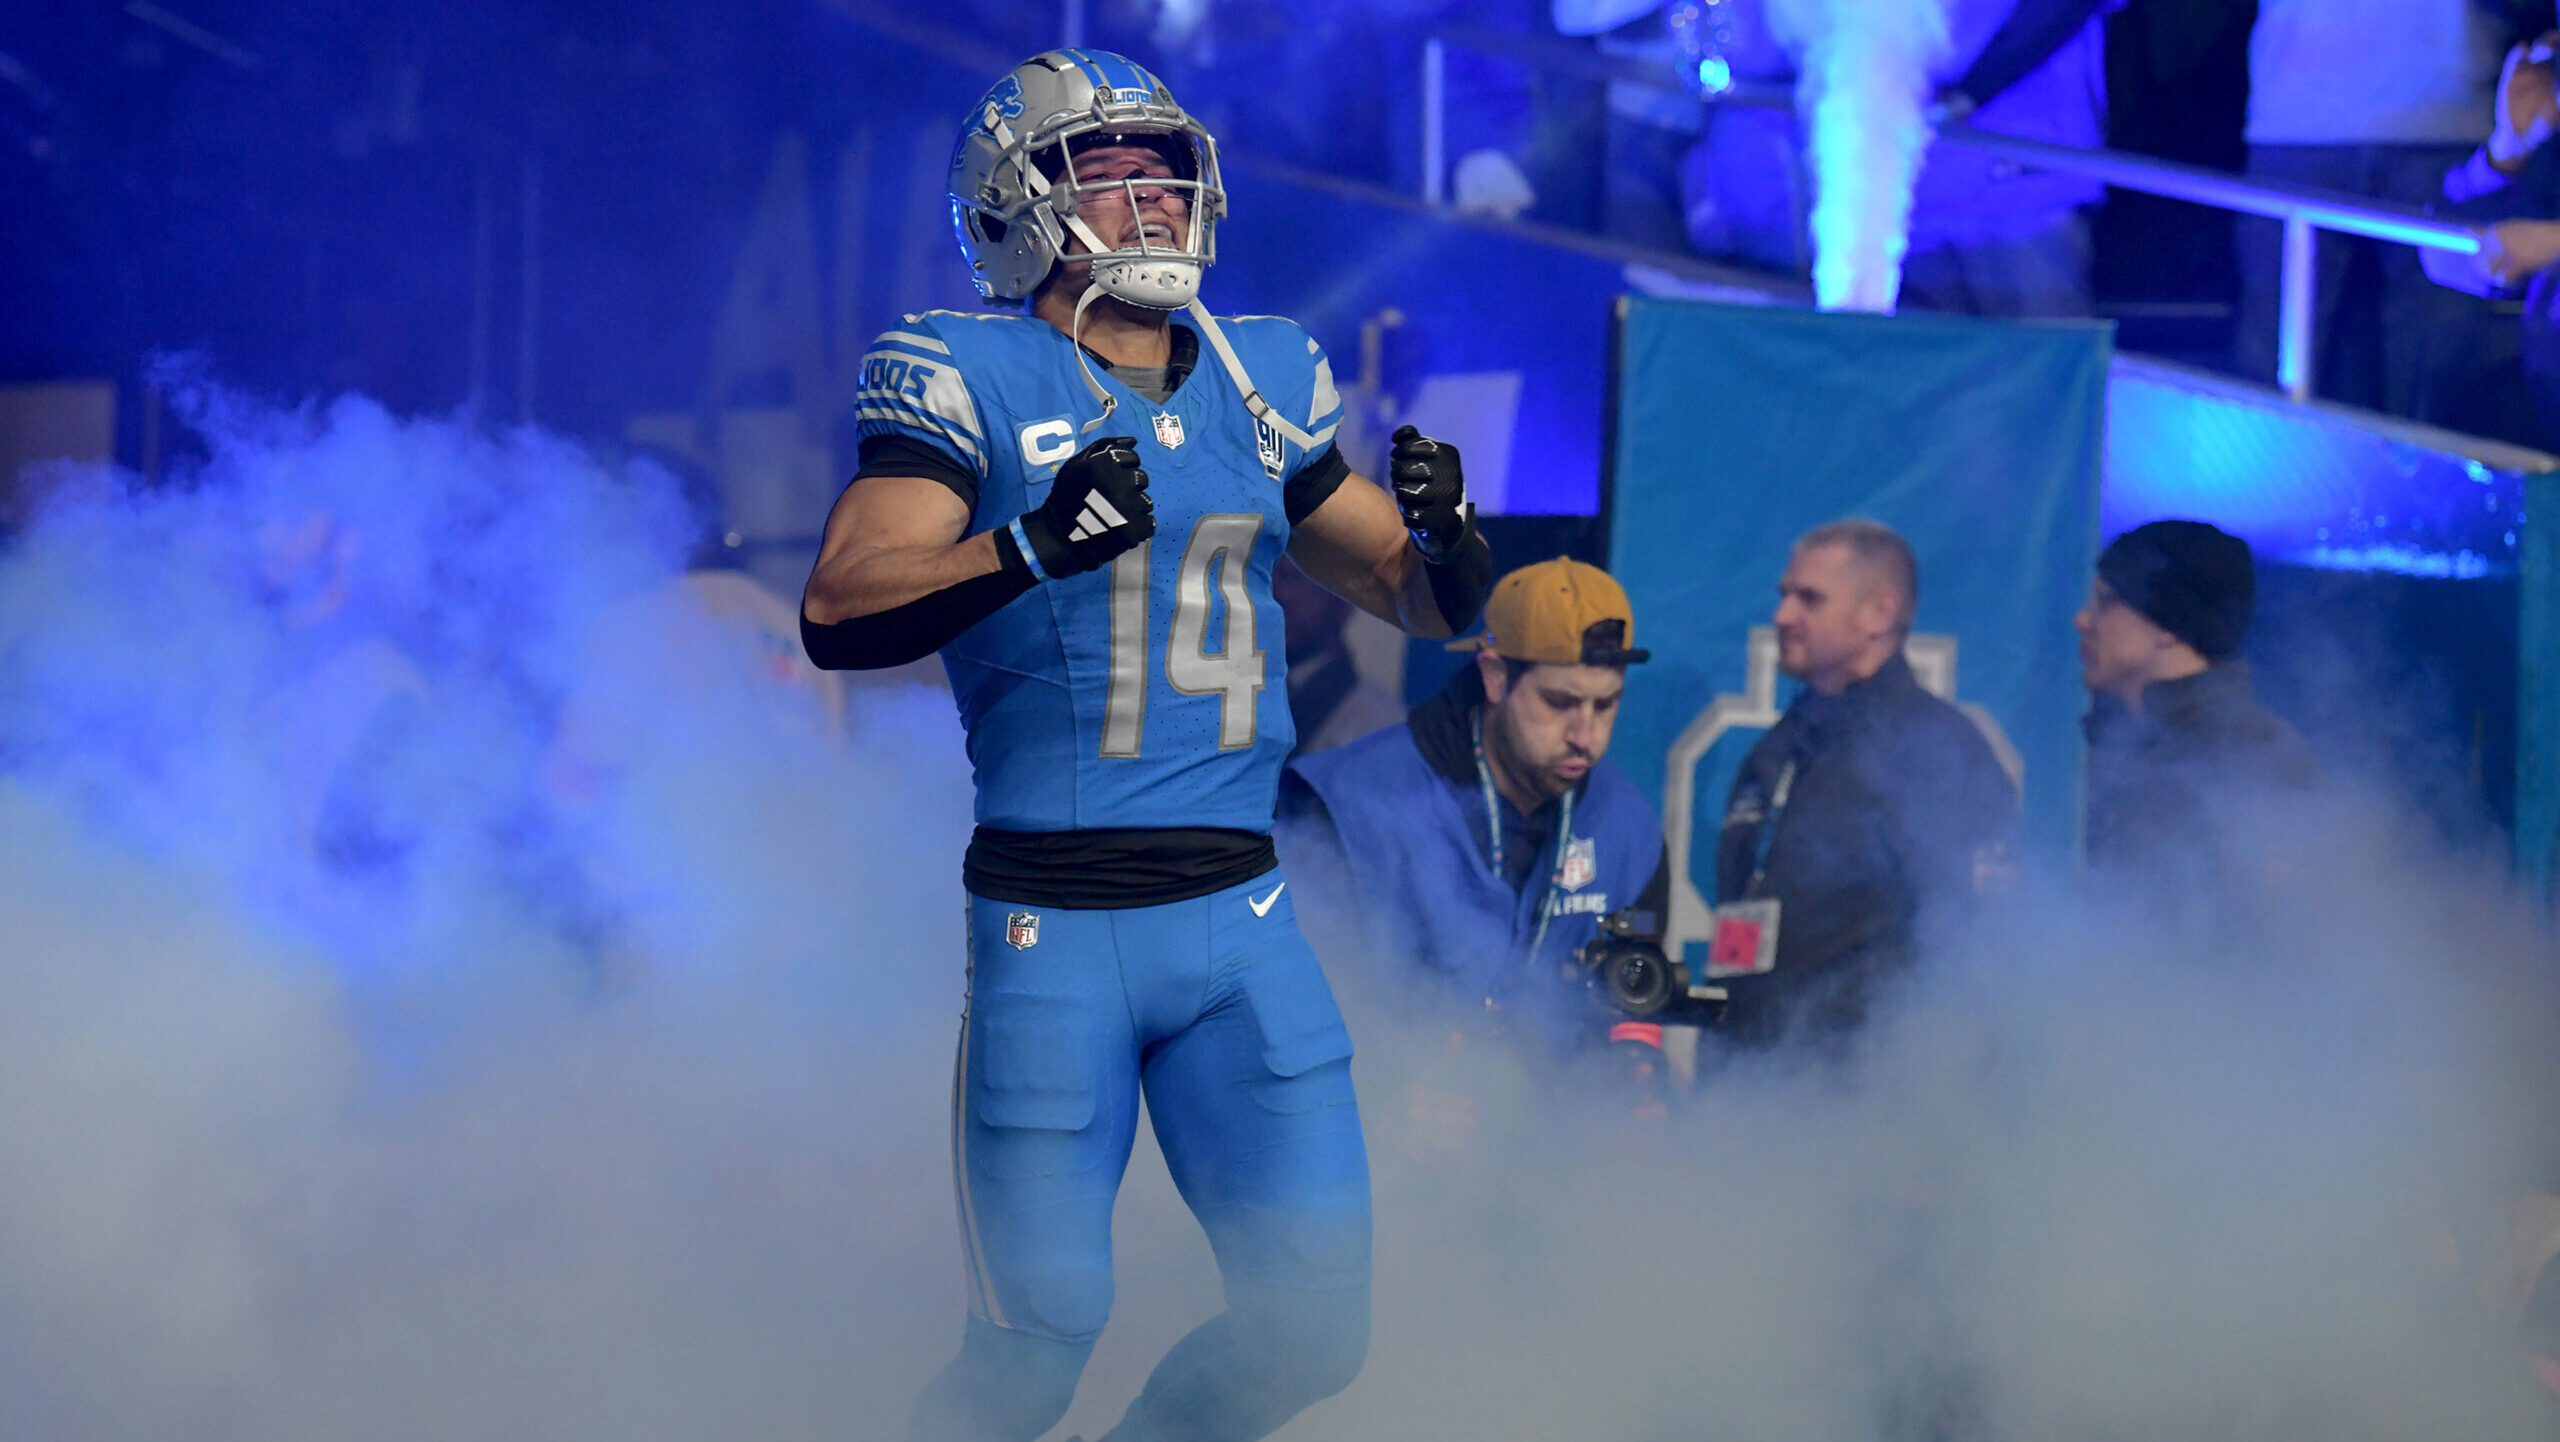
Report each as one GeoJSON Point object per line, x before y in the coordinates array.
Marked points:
{"type": "Point", "coordinates": [1014, 194]}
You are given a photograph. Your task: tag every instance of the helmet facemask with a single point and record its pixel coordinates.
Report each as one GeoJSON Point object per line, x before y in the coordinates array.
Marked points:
{"type": "Point", "coordinates": [1150, 268]}
{"type": "Point", "coordinates": [1015, 201]}
{"type": "Point", "coordinates": [1153, 265]}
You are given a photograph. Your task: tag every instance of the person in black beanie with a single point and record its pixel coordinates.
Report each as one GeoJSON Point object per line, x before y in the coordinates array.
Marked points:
{"type": "Point", "coordinates": [2178, 743]}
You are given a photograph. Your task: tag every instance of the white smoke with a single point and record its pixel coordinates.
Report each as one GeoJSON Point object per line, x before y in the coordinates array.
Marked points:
{"type": "Point", "coordinates": [2097, 1176]}
{"type": "Point", "coordinates": [1863, 85]}
{"type": "Point", "coordinates": [451, 987]}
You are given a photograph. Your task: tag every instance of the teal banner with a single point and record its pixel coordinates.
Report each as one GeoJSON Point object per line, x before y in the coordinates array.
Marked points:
{"type": "Point", "coordinates": [2538, 699]}
{"type": "Point", "coordinates": [1739, 428]}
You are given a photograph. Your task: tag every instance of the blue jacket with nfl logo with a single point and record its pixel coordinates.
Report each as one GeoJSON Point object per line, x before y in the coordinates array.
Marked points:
{"type": "Point", "coordinates": [1388, 842]}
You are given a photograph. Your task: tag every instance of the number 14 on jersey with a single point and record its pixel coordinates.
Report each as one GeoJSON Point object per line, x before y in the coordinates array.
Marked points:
{"type": "Point", "coordinates": [1217, 561]}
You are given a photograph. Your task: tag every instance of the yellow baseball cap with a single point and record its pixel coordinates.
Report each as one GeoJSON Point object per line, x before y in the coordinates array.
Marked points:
{"type": "Point", "coordinates": [1559, 613]}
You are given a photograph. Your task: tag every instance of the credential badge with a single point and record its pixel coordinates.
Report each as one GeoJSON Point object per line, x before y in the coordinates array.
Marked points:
{"type": "Point", "coordinates": [1581, 863]}
{"type": "Point", "coordinates": [1022, 930]}
{"type": "Point", "coordinates": [1168, 431]}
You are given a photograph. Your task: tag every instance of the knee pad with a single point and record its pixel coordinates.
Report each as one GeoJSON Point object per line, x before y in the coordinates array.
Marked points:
{"type": "Point", "coordinates": [1061, 1299]}
{"type": "Point", "coordinates": [1004, 1385]}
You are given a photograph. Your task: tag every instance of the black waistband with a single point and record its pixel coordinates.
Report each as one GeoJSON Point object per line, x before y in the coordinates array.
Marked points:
{"type": "Point", "coordinates": [1108, 870]}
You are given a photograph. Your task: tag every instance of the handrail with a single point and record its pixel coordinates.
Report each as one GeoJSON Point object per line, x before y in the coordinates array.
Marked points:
{"type": "Point", "coordinates": [2328, 209]}
{"type": "Point", "coordinates": [2303, 210]}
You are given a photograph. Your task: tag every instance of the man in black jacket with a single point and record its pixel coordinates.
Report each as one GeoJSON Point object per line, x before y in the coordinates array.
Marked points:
{"type": "Point", "coordinates": [2183, 761]}
{"type": "Point", "coordinates": [1868, 801]}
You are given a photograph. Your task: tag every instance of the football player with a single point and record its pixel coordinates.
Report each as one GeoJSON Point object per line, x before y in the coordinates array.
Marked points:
{"type": "Point", "coordinates": [1080, 507]}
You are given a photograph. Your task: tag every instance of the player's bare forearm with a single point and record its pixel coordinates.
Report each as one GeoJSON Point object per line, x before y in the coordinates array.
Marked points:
{"type": "Point", "coordinates": [894, 580]}
{"type": "Point", "coordinates": [891, 540]}
{"type": "Point", "coordinates": [867, 581]}
{"type": "Point", "coordinates": [1355, 546]}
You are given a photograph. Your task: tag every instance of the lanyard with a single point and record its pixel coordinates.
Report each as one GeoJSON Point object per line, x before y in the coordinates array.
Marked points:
{"type": "Point", "coordinates": [1493, 828]}
{"type": "Point", "coordinates": [1492, 803]}
{"type": "Point", "coordinates": [1768, 837]}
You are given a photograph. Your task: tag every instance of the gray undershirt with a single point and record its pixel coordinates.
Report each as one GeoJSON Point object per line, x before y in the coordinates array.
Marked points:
{"type": "Point", "coordinates": [1153, 382]}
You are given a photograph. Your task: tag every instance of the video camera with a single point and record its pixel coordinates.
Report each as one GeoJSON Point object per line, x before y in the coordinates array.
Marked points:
{"type": "Point", "coordinates": [1627, 973]}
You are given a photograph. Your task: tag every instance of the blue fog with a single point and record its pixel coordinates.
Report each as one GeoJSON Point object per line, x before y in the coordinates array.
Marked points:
{"type": "Point", "coordinates": [456, 983]}
{"type": "Point", "coordinates": [459, 978]}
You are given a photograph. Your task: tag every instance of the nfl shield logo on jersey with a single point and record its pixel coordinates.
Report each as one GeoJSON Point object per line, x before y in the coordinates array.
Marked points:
{"type": "Point", "coordinates": [1581, 863]}
{"type": "Point", "coordinates": [1022, 929]}
{"type": "Point", "coordinates": [1169, 431]}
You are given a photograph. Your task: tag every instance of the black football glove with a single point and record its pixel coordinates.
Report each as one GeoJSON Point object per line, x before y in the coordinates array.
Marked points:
{"type": "Point", "coordinates": [1430, 491]}
{"type": "Point", "coordinates": [1097, 508]}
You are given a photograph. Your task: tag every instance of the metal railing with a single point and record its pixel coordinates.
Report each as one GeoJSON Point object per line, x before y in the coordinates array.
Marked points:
{"type": "Point", "coordinates": [2303, 210]}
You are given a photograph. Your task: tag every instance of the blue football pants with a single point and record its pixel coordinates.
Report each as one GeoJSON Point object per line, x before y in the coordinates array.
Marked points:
{"type": "Point", "coordinates": [1219, 1013]}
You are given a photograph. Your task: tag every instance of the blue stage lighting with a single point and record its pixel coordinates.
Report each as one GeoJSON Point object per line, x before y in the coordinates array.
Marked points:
{"type": "Point", "coordinates": [2311, 485]}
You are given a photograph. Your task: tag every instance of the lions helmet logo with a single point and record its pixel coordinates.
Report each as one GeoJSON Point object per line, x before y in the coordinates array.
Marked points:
{"type": "Point", "coordinates": [1002, 103]}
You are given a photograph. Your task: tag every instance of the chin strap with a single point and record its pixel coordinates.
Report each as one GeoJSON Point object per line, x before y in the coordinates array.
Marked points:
{"type": "Point", "coordinates": [1084, 362]}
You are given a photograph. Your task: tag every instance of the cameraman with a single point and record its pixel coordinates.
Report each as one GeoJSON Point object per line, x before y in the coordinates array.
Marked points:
{"type": "Point", "coordinates": [1482, 841]}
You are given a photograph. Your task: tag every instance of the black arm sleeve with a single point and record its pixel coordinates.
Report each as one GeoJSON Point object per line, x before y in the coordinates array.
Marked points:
{"type": "Point", "coordinates": [1460, 584]}
{"type": "Point", "coordinates": [907, 456]}
{"type": "Point", "coordinates": [1314, 484]}
{"type": "Point", "coordinates": [922, 626]}
{"type": "Point", "coordinates": [2027, 39]}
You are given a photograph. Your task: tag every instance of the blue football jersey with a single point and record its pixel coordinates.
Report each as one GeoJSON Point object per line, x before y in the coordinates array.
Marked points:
{"type": "Point", "coordinates": [1151, 692]}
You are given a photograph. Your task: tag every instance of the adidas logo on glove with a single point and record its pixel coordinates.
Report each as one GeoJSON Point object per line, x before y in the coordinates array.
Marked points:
{"type": "Point", "coordinates": [1097, 517]}
{"type": "Point", "coordinates": [1097, 509]}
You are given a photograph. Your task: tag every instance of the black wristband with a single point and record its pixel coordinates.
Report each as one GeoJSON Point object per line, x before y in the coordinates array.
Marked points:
{"type": "Point", "coordinates": [1462, 580]}
{"type": "Point", "coordinates": [917, 629]}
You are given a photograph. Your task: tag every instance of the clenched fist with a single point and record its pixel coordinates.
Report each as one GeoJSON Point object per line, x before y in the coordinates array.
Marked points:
{"type": "Point", "coordinates": [1097, 508]}
{"type": "Point", "coordinates": [1430, 490]}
